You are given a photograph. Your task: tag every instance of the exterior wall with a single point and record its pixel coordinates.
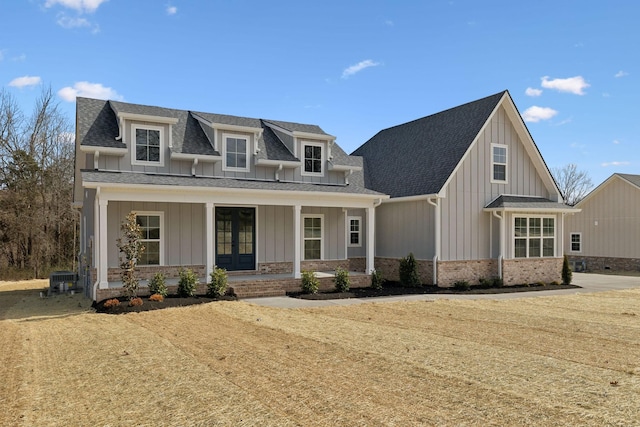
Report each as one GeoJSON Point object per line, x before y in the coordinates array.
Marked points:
{"type": "Point", "coordinates": [465, 227]}
{"type": "Point", "coordinates": [274, 234]}
{"type": "Point", "coordinates": [404, 227]}
{"type": "Point", "coordinates": [450, 272]}
{"type": "Point", "coordinates": [390, 269]}
{"type": "Point", "coordinates": [358, 251]}
{"type": "Point", "coordinates": [615, 208]}
{"type": "Point", "coordinates": [509, 232]}
{"type": "Point", "coordinates": [532, 270]}
{"type": "Point", "coordinates": [183, 232]}
{"type": "Point", "coordinates": [146, 272]}
{"type": "Point", "coordinates": [591, 263]}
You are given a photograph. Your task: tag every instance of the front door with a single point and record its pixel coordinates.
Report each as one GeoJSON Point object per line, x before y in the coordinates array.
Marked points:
{"type": "Point", "coordinates": [235, 238]}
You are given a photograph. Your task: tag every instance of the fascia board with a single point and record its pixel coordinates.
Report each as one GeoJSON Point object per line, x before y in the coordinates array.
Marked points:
{"type": "Point", "coordinates": [344, 168]}
{"type": "Point", "coordinates": [199, 157]}
{"type": "Point", "coordinates": [534, 210]}
{"type": "Point", "coordinates": [410, 198]}
{"type": "Point", "coordinates": [104, 150]}
{"type": "Point", "coordinates": [285, 163]}
{"type": "Point", "coordinates": [148, 118]}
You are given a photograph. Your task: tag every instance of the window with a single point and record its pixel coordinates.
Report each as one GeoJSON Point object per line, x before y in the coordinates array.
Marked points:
{"type": "Point", "coordinates": [313, 158]}
{"type": "Point", "coordinates": [312, 236]}
{"type": "Point", "coordinates": [235, 152]}
{"type": "Point", "coordinates": [151, 237]}
{"type": "Point", "coordinates": [534, 237]}
{"type": "Point", "coordinates": [147, 145]}
{"type": "Point", "coordinates": [355, 232]}
{"type": "Point", "coordinates": [576, 242]}
{"type": "Point", "coordinates": [498, 163]}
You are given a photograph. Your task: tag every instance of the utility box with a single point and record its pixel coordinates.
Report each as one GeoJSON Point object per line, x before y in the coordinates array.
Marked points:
{"type": "Point", "coordinates": [63, 281]}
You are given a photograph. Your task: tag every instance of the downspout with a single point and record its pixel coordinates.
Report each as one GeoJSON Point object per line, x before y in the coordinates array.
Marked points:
{"type": "Point", "coordinates": [436, 256]}
{"type": "Point", "coordinates": [96, 240]}
{"type": "Point", "coordinates": [500, 243]}
{"type": "Point", "coordinates": [278, 170]}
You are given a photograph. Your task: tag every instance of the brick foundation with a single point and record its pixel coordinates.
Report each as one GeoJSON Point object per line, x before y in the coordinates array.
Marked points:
{"type": "Point", "coordinates": [324, 265]}
{"type": "Point", "coordinates": [275, 267]}
{"type": "Point", "coordinates": [607, 263]}
{"type": "Point", "coordinates": [390, 269]}
{"type": "Point", "coordinates": [358, 264]}
{"type": "Point", "coordinates": [146, 272]}
{"type": "Point", "coordinates": [472, 271]}
{"type": "Point", "coordinates": [532, 270]}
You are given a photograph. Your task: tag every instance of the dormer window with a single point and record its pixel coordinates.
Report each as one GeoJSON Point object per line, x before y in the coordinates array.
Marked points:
{"type": "Point", "coordinates": [313, 158]}
{"type": "Point", "coordinates": [235, 151]}
{"type": "Point", "coordinates": [499, 163]}
{"type": "Point", "coordinates": [147, 145]}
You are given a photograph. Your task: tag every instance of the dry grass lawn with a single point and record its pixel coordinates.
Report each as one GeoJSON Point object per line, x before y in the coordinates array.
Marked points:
{"type": "Point", "coordinates": [552, 361]}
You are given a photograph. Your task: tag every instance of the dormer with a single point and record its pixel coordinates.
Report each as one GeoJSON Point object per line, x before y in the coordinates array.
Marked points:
{"type": "Point", "coordinates": [148, 137]}
{"type": "Point", "coordinates": [235, 138]}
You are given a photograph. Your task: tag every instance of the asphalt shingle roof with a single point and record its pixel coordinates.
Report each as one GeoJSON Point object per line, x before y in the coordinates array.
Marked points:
{"type": "Point", "coordinates": [97, 125]}
{"type": "Point", "coordinates": [524, 202]}
{"type": "Point", "coordinates": [190, 181]}
{"type": "Point", "coordinates": [419, 156]}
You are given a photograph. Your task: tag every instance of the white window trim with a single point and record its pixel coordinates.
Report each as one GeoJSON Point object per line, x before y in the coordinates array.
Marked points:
{"type": "Point", "coordinates": [161, 215]}
{"type": "Point", "coordinates": [579, 234]}
{"type": "Point", "coordinates": [359, 219]}
{"type": "Point", "coordinates": [302, 218]}
{"type": "Point", "coordinates": [555, 235]}
{"type": "Point", "coordinates": [224, 152]}
{"type": "Point", "coordinates": [134, 161]}
{"type": "Point", "coordinates": [506, 164]}
{"type": "Point", "coordinates": [323, 156]}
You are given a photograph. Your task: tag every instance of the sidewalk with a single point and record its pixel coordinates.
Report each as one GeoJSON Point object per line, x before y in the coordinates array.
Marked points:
{"type": "Point", "coordinates": [588, 281]}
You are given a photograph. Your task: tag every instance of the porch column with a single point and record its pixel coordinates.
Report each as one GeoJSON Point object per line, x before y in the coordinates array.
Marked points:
{"type": "Point", "coordinates": [102, 243]}
{"type": "Point", "coordinates": [211, 250]}
{"type": "Point", "coordinates": [371, 236]}
{"type": "Point", "coordinates": [297, 209]}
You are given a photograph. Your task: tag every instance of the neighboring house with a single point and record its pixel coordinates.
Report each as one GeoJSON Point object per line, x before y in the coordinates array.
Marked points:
{"type": "Point", "coordinates": [606, 233]}
{"type": "Point", "coordinates": [471, 197]}
{"type": "Point", "coordinates": [250, 195]}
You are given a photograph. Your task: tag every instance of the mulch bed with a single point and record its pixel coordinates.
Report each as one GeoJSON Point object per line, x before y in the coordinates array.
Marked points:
{"type": "Point", "coordinates": [394, 288]}
{"type": "Point", "coordinates": [169, 301]}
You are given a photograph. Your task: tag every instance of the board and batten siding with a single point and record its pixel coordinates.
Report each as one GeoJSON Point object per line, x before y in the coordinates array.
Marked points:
{"type": "Point", "coordinates": [404, 227]}
{"type": "Point", "coordinates": [333, 232]}
{"type": "Point", "coordinates": [358, 251]}
{"type": "Point", "coordinates": [616, 209]}
{"type": "Point", "coordinates": [183, 233]}
{"type": "Point", "coordinates": [465, 227]}
{"type": "Point", "coordinates": [274, 233]}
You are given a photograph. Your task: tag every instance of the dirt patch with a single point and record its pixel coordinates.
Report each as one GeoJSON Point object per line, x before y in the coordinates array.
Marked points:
{"type": "Point", "coordinates": [393, 288]}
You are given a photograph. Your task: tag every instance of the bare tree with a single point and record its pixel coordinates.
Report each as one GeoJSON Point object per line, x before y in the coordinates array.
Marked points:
{"type": "Point", "coordinates": [574, 184]}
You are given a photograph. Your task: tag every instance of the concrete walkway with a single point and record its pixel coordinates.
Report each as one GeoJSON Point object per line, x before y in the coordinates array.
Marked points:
{"type": "Point", "coordinates": [588, 281]}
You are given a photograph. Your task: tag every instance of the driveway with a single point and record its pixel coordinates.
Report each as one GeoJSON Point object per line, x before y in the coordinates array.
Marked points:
{"type": "Point", "coordinates": [588, 281]}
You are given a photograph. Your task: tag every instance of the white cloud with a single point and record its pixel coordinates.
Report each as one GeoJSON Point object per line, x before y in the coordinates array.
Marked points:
{"type": "Point", "coordinates": [88, 90]}
{"type": "Point", "coordinates": [533, 92]}
{"type": "Point", "coordinates": [389, 23]}
{"type": "Point", "coordinates": [605, 164]}
{"type": "Point", "coordinates": [621, 74]}
{"type": "Point", "coordinates": [66, 22]}
{"type": "Point", "coordinates": [616, 142]}
{"type": "Point", "coordinates": [19, 58]}
{"type": "Point", "coordinates": [25, 81]}
{"type": "Point", "coordinates": [349, 71]}
{"type": "Point", "coordinates": [81, 6]}
{"type": "Point", "coordinates": [172, 10]}
{"type": "Point", "coordinates": [574, 85]}
{"type": "Point", "coordinates": [606, 95]}
{"type": "Point", "coordinates": [535, 114]}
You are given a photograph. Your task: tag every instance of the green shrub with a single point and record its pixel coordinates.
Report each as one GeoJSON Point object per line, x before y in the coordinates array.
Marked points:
{"type": "Point", "coordinates": [567, 276]}
{"type": "Point", "coordinates": [377, 280]}
{"type": "Point", "coordinates": [187, 283]}
{"type": "Point", "coordinates": [217, 286]}
{"type": "Point", "coordinates": [310, 282]}
{"type": "Point", "coordinates": [498, 282]}
{"type": "Point", "coordinates": [341, 280]}
{"type": "Point", "coordinates": [554, 283]}
{"type": "Point", "coordinates": [158, 285]}
{"type": "Point", "coordinates": [485, 283]}
{"type": "Point", "coordinates": [462, 285]}
{"type": "Point", "coordinates": [409, 271]}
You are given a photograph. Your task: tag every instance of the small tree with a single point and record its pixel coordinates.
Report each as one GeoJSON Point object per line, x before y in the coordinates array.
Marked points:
{"type": "Point", "coordinates": [573, 183]}
{"type": "Point", "coordinates": [309, 282]}
{"type": "Point", "coordinates": [409, 271]}
{"type": "Point", "coordinates": [567, 275]}
{"type": "Point", "coordinates": [132, 248]}
{"type": "Point", "coordinates": [158, 285]}
{"type": "Point", "coordinates": [217, 286]}
{"type": "Point", "coordinates": [187, 283]}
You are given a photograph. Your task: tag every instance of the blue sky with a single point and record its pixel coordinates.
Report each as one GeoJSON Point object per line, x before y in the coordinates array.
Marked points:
{"type": "Point", "coordinates": [352, 67]}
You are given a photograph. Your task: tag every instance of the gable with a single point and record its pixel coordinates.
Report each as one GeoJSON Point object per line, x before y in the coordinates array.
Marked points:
{"type": "Point", "coordinates": [615, 181]}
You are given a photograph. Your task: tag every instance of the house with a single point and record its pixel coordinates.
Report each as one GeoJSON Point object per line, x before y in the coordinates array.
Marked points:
{"type": "Point", "coordinates": [606, 233]}
{"type": "Point", "coordinates": [262, 198]}
{"type": "Point", "coordinates": [471, 197]}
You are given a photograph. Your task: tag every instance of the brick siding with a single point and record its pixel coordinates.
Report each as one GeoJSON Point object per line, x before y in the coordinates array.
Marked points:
{"type": "Point", "coordinates": [607, 263]}
{"type": "Point", "coordinates": [450, 272]}
{"type": "Point", "coordinates": [390, 269]}
{"type": "Point", "coordinates": [532, 270]}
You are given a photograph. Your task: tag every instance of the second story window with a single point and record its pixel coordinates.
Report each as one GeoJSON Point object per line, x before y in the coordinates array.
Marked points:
{"type": "Point", "coordinates": [147, 141]}
{"type": "Point", "coordinates": [498, 163]}
{"type": "Point", "coordinates": [236, 153]}
{"type": "Point", "coordinates": [313, 158]}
